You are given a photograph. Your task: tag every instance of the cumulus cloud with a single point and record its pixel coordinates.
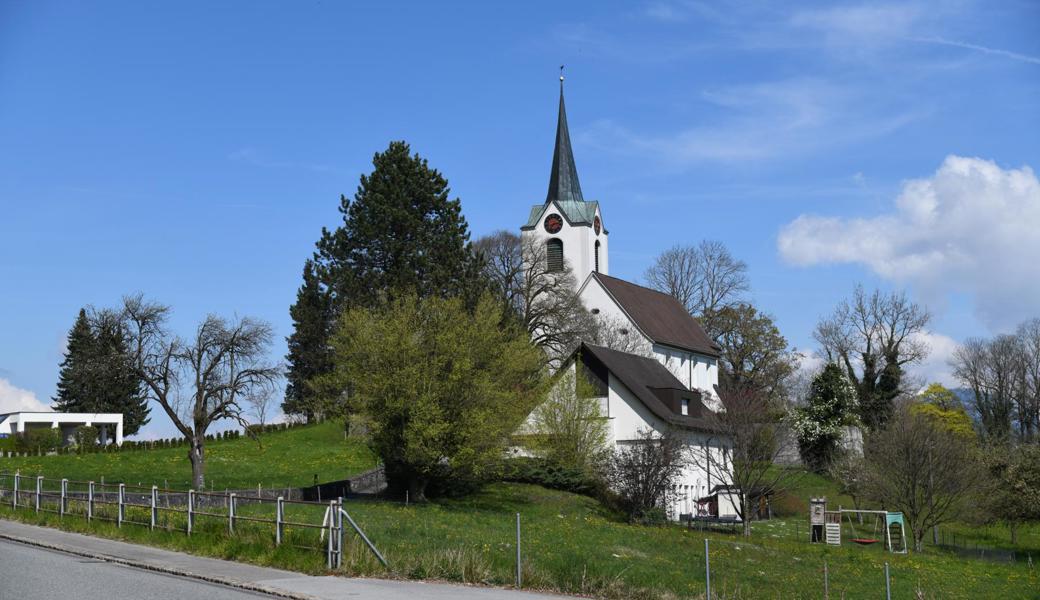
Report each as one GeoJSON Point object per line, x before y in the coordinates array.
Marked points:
{"type": "Point", "coordinates": [972, 227]}
{"type": "Point", "coordinates": [936, 366]}
{"type": "Point", "coordinates": [14, 399]}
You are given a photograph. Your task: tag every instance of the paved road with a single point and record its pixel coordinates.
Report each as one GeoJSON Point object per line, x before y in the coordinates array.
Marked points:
{"type": "Point", "coordinates": [79, 573]}
{"type": "Point", "coordinates": [28, 573]}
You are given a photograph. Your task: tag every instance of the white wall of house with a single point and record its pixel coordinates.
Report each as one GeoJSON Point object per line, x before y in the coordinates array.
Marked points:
{"type": "Point", "coordinates": [109, 424]}
{"type": "Point", "coordinates": [596, 298]}
{"type": "Point", "coordinates": [696, 371]}
{"type": "Point", "coordinates": [628, 416]}
{"type": "Point", "coordinates": [579, 243]}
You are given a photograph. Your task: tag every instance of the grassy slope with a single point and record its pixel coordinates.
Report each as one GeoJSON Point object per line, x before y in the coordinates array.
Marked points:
{"type": "Point", "coordinates": [570, 543]}
{"type": "Point", "coordinates": [289, 458]}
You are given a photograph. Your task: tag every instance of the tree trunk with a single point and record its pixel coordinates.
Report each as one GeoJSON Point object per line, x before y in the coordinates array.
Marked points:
{"type": "Point", "coordinates": [1014, 533]}
{"type": "Point", "coordinates": [935, 535]}
{"type": "Point", "coordinates": [197, 457]}
{"type": "Point", "coordinates": [918, 540]}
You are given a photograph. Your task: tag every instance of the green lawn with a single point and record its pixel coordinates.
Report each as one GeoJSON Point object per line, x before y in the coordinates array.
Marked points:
{"type": "Point", "coordinates": [290, 458]}
{"type": "Point", "coordinates": [570, 543]}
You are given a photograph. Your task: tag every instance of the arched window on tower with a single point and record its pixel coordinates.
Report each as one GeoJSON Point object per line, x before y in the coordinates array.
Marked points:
{"type": "Point", "coordinates": [597, 256]}
{"type": "Point", "coordinates": [554, 255]}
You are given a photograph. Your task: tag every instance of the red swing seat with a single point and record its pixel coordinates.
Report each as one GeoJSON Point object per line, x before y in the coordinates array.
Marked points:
{"type": "Point", "coordinates": [864, 541]}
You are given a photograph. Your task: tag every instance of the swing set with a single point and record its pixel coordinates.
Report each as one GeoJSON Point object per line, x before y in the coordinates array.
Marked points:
{"type": "Point", "coordinates": [826, 525]}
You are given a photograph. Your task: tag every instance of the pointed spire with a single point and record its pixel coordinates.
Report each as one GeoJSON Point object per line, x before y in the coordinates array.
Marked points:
{"type": "Point", "coordinates": [563, 181]}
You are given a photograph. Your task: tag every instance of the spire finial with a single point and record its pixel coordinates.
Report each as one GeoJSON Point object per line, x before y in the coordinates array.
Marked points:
{"type": "Point", "coordinates": [561, 74]}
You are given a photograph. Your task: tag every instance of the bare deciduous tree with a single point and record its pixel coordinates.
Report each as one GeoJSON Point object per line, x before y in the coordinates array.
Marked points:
{"type": "Point", "coordinates": [928, 472]}
{"type": "Point", "coordinates": [705, 278]}
{"type": "Point", "coordinates": [617, 334]}
{"type": "Point", "coordinates": [644, 472]}
{"type": "Point", "coordinates": [994, 370]}
{"type": "Point", "coordinates": [545, 301]}
{"type": "Point", "coordinates": [874, 337]}
{"type": "Point", "coordinates": [200, 381]}
{"type": "Point", "coordinates": [569, 426]}
{"type": "Point", "coordinates": [261, 400]}
{"type": "Point", "coordinates": [752, 434]}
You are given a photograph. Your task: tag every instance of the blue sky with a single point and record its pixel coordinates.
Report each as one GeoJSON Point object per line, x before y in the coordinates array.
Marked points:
{"type": "Point", "coordinates": [193, 151]}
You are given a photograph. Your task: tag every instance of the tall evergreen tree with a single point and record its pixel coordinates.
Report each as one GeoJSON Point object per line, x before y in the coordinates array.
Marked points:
{"type": "Point", "coordinates": [96, 375]}
{"type": "Point", "coordinates": [401, 235]}
{"type": "Point", "coordinates": [74, 378]}
{"type": "Point", "coordinates": [309, 353]}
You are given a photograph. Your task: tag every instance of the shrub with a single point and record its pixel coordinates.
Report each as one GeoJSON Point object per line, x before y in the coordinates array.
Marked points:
{"type": "Point", "coordinates": [543, 472]}
{"type": "Point", "coordinates": [86, 437]}
{"type": "Point", "coordinates": [39, 440]}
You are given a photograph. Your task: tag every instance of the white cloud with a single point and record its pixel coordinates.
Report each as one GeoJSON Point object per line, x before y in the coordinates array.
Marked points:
{"type": "Point", "coordinates": [13, 399]}
{"type": "Point", "coordinates": [867, 23]}
{"type": "Point", "coordinates": [973, 227]}
{"type": "Point", "coordinates": [936, 366]}
{"type": "Point", "coordinates": [978, 48]}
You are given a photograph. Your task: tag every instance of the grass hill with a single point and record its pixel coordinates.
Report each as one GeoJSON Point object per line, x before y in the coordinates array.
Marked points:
{"type": "Point", "coordinates": [570, 543]}
{"type": "Point", "coordinates": [290, 458]}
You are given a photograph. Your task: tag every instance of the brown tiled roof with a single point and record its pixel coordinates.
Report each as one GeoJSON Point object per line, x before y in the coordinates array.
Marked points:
{"type": "Point", "coordinates": [652, 384]}
{"type": "Point", "coordinates": [659, 316]}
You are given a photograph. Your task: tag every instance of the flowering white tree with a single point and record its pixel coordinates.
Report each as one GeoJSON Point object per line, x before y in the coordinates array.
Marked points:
{"type": "Point", "coordinates": [832, 405]}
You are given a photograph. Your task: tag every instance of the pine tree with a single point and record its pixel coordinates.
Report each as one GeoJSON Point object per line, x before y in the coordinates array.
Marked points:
{"type": "Point", "coordinates": [96, 375]}
{"type": "Point", "coordinates": [401, 235]}
{"type": "Point", "coordinates": [74, 379]}
{"type": "Point", "coordinates": [309, 353]}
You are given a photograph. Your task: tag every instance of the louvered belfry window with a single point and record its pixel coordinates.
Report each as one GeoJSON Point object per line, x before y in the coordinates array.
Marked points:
{"type": "Point", "coordinates": [554, 255]}
{"type": "Point", "coordinates": [597, 256]}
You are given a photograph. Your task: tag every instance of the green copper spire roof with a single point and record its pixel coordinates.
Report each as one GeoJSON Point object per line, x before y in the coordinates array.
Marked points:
{"type": "Point", "coordinates": [563, 181]}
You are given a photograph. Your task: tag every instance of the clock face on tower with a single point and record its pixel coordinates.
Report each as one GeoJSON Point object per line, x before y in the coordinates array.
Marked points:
{"type": "Point", "coordinates": [597, 225]}
{"type": "Point", "coordinates": [553, 223]}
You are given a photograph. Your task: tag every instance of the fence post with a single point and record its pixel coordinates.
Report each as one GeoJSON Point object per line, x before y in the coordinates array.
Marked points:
{"type": "Point", "coordinates": [231, 513]}
{"type": "Point", "coordinates": [519, 576]}
{"type": "Point", "coordinates": [826, 583]}
{"type": "Point", "coordinates": [155, 505]}
{"type": "Point", "coordinates": [339, 532]}
{"type": "Point", "coordinates": [120, 505]}
{"type": "Point", "coordinates": [888, 585]}
{"type": "Point", "coordinates": [707, 571]}
{"type": "Point", "coordinates": [332, 533]}
{"type": "Point", "coordinates": [278, 521]}
{"type": "Point", "coordinates": [39, 488]}
{"type": "Point", "coordinates": [14, 501]}
{"type": "Point", "coordinates": [64, 496]}
{"type": "Point", "coordinates": [191, 510]}
{"type": "Point", "coordinates": [90, 500]}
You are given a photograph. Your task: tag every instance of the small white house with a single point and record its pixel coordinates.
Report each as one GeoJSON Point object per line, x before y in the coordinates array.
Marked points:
{"type": "Point", "coordinates": [108, 424]}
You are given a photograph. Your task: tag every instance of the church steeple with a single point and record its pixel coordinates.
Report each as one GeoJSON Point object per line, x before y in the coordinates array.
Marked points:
{"type": "Point", "coordinates": [563, 181]}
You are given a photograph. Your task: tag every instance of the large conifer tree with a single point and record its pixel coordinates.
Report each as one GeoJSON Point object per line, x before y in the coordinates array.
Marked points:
{"type": "Point", "coordinates": [402, 234]}
{"type": "Point", "coordinates": [96, 375]}
{"type": "Point", "coordinates": [309, 352]}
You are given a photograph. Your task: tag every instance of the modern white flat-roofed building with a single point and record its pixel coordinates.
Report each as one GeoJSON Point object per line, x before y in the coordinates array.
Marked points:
{"type": "Point", "coordinates": [108, 424]}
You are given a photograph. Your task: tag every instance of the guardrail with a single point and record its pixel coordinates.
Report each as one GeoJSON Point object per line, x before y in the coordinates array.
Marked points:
{"type": "Point", "coordinates": [172, 510]}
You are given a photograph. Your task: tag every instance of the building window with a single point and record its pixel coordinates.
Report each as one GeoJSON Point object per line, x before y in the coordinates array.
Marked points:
{"type": "Point", "coordinates": [686, 406]}
{"type": "Point", "coordinates": [597, 256]}
{"type": "Point", "coordinates": [554, 255]}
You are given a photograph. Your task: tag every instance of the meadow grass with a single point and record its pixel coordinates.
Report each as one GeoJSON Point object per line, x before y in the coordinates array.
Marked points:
{"type": "Point", "coordinates": [279, 459]}
{"type": "Point", "coordinates": [570, 543]}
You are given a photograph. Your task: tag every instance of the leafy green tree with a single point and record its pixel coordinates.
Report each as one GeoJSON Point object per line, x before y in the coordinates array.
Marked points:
{"type": "Point", "coordinates": [831, 406]}
{"type": "Point", "coordinates": [309, 354]}
{"type": "Point", "coordinates": [444, 387]}
{"type": "Point", "coordinates": [941, 406]}
{"type": "Point", "coordinates": [97, 375]}
{"type": "Point", "coordinates": [401, 234]}
{"type": "Point", "coordinates": [1015, 496]}
{"type": "Point", "coordinates": [569, 428]}
{"type": "Point", "coordinates": [754, 353]}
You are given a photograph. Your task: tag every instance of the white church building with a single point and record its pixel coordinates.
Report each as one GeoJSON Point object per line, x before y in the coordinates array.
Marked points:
{"type": "Point", "coordinates": [670, 383]}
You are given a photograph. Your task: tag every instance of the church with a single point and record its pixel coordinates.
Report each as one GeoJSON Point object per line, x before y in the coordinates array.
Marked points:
{"type": "Point", "coordinates": [667, 379]}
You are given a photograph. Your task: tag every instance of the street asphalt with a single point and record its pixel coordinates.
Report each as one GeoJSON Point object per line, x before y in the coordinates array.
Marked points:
{"type": "Point", "coordinates": [29, 573]}
{"type": "Point", "coordinates": [44, 563]}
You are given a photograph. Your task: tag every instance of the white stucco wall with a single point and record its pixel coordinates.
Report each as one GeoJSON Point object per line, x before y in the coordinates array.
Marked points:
{"type": "Point", "coordinates": [579, 243]}
{"type": "Point", "coordinates": [696, 371]}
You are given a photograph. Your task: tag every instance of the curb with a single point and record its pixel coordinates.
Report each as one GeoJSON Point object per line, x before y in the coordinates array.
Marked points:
{"type": "Point", "coordinates": [233, 583]}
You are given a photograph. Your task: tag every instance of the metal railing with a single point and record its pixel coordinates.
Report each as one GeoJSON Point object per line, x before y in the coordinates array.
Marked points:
{"type": "Point", "coordinates": [293, 522]}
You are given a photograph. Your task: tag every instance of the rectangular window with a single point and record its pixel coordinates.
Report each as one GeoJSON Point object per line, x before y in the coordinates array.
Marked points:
{"type": "Point", "coordinates": [685, 406]}
{"type": "Point", "coordinates": [554, 255]}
